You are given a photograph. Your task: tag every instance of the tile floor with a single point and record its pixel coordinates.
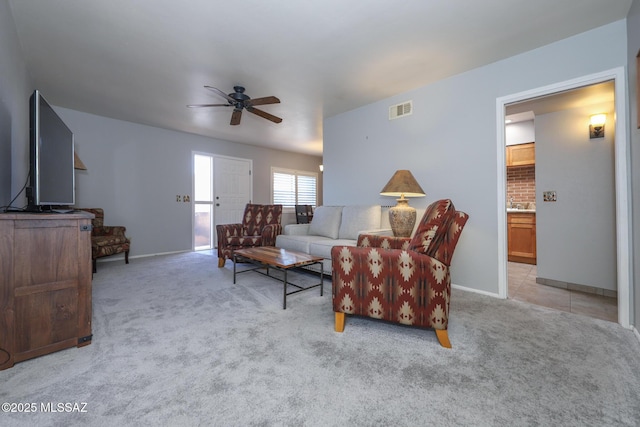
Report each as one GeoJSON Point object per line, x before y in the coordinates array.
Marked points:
{"type": "Point", "coordinates": [523, 287]}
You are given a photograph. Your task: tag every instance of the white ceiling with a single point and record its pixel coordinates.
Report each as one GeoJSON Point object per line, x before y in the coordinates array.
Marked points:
{"type": "Point", "coordinates": [144, 60]}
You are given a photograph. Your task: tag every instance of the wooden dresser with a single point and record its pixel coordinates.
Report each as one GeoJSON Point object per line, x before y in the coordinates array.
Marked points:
{"type": "Point", "coordinates": [45, 284]}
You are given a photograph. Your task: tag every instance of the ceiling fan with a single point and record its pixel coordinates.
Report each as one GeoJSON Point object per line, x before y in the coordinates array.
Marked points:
{"type": "Point", "coordinates": [239, 101]}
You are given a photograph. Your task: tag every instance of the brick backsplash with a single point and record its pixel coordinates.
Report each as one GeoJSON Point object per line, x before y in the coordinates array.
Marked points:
{"type": "Point", "coordinates": [521, 184]}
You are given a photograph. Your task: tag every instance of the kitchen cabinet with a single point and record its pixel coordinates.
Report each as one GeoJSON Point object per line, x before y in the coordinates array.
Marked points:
{"type": "Point", "coordinates": [45, 285]}
{"type": "Point", "coordinates": [521, 154]}
{"type": "Point", "coordinates": [521, 237]}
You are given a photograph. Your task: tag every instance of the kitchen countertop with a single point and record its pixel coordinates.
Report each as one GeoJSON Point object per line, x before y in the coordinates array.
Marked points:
{"type": "Point", "coordinates": [514, 210]}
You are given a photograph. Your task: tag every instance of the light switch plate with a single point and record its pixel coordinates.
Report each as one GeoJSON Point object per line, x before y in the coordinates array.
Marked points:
{"type": "Point", "coordinates": [549, 196]}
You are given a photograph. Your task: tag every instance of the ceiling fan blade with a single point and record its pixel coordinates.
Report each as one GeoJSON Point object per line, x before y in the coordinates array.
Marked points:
{"type": "Point", "coordinates": [264, 114]}
{"type": "Point", "coordinates": [235, 117]}
{"type": "Point", "coordinates": [221, 93]}
{"type": "Point", "coordinates": [209, 105]}
{"type": "Point", "coordinates": [263, 101]}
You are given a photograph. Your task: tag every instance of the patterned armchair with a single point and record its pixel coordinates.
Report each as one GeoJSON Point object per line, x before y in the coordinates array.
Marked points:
{"type": "Point", "coordinates": [400, 279]}
{"type": "Point", "coordinates": [260, 226]}
{"type": "Point", "coordinates": [107, 240]}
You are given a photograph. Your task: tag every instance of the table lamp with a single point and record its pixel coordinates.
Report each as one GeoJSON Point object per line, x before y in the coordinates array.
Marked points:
{"type": "Point", "coordinates": [402, 217]}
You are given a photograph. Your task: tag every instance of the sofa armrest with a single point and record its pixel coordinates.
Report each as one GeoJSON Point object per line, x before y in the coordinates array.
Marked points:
{"type": "Point", "coordinates": [383, 241]}
{"type": "Point", "coordinates": [297, 229]}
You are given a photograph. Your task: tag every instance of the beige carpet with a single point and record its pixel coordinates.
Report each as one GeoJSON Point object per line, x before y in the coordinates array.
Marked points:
{"type": "Point", "coordinates": [176, 343]}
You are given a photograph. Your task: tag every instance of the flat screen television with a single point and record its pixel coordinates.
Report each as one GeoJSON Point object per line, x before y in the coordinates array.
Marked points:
{"type": "Point", "coordinates": [51, 144]}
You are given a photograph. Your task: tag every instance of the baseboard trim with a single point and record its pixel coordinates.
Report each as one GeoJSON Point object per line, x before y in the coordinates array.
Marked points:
{"type": "Point", "coordinates": [635, 331]}
{"type": "Point", "coordinates": [120, 257]}
{"type": "Point", "coordinates": [476, 291]}
{"type": "Point", "coordinates": [160, 253]}
{"type": "Point", "coordinates": [577, 287]}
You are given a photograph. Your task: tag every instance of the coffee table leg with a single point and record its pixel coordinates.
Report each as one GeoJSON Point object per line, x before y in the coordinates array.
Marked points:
{"type": "Point", "coordinates": [284, 300]}
{"type": "Point", "coordinates": [321, 278]}
{"type": "Point", "coordinates": [234, 269]}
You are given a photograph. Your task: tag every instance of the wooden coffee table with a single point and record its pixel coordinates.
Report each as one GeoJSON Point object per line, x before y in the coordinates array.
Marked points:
{"type": "Point", "coordinates": [278, 259]}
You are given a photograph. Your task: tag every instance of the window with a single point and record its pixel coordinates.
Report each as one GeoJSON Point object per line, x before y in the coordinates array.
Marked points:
{"type": "Point", "coordinates": [202, 202]}
{"type": "Point", "coordinates": [290, 187]}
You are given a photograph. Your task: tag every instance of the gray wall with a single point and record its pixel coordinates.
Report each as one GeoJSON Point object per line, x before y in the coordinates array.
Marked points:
{"type": "Point", "coordinates": [15, 87]}
{"type": "Point", "coordinates": [449, 142]}
{"type": "Point", "coordinates": [135, 172]}
{"type": "Point", "coordinates": [633, 40]}
{"type": "Point", "coordinates": [576, 235]}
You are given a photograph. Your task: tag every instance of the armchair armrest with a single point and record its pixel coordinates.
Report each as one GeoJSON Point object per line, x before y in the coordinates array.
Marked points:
{"type": "Point", "coordinates": [269, 234]}
{"type": "Point", "coordinates": [109, 230]}
{"type": "Point", "coordinates": [396, 285]}
{"type": "Point", "coordinates": [383, 241]}
{"type": "Point", "coordinates": [229, 229]}
{"type": "Point", "coordinates": [224, 231]}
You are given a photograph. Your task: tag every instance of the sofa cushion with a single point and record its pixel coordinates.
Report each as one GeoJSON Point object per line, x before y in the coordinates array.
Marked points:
{"type": "Point", "coordinates": [326, 221]}
{"type": "Point", "coordinates": [358, 218]}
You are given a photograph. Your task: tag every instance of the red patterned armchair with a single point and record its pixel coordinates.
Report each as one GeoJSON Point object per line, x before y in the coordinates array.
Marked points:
{"type": "Point", "coordinates": [400, 279]}
{"type": "Point", "coordinates": [260, 226]}
{"type": "Point", "coordinates": [107, 240]}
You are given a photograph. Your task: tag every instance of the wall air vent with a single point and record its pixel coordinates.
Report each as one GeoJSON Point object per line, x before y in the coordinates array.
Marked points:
{"type": "Point", "coordinates": [400, 110]}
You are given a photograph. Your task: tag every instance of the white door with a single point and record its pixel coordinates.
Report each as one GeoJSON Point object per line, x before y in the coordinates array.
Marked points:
{"type": "Point", "coordinates": [232, 189]}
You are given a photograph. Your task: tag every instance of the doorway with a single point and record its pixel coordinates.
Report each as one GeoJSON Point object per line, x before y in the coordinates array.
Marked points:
{"type": "Point", "coordinates": [622, 186]}
{"type": "Point", "coordinates": [571, 274]}
{"type": "Point", "coordinates": [222, 186]}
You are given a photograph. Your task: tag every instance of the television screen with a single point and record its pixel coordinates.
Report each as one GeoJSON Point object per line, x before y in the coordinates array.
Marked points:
{"type": "Point", "coordinates": [52, 154]}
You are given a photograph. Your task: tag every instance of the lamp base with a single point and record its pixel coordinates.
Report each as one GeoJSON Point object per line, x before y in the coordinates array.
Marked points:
{"type": "Point", "coordinates": [402, 218]}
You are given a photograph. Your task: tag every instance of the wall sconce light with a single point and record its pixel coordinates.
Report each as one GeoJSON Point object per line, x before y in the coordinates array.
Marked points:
{"type": "Point", "coordinates": [321, 168]}
{"type": "Point", "coordinates": [596, 126]}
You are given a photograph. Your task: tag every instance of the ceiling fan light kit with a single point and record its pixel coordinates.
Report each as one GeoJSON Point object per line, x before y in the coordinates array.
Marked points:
{"type": "Point", "coordinates": [240, 101]}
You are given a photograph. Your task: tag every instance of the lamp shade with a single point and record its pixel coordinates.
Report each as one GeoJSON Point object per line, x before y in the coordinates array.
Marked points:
{"type": "Point", "coordinates": [77, 163]}
{"type": "Point", "coordinates": [401, 184]}
{"type": "Point", "coordinates": [598, 119]}
{"type": "Point", "coordinates": [596, 126]}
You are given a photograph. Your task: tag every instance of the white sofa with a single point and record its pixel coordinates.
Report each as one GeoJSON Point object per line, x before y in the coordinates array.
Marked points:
{"type": "Point", "coordinates": [333, 226]}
